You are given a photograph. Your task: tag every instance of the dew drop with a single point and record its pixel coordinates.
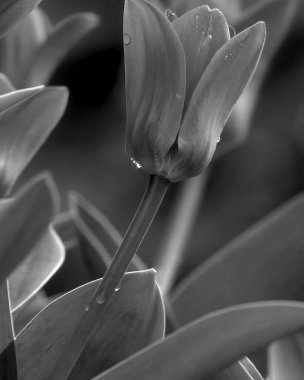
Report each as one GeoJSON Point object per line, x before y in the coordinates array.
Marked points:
{"type": "Point", "coordinates": [209, 37]}
{"type": "Point", "coordinates": [117, 288]}
{"type": "Point", "coordinates": [87, 308]}
{"type": "Point", "coordinates": [218, 139]}
{"type": "Point", "coordinates": [135, 163]}
{"type": "Point", "coordinates": [171, 16]}
{"type": "Point", "coordinates": [126, 39]}
{"type": "Point", "coordinates": [226, 57]}
{"type": "Point", "coordinates": [197, 16]}
{"type": "Point", "coordinates": [100, 299]}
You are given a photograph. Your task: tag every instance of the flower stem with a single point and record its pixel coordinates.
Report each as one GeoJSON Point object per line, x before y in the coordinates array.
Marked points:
{"type": "Point", "coordinates": [98, 304]}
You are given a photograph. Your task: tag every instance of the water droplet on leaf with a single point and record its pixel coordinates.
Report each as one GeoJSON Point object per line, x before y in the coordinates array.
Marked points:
{"type": "Point", "coordinates": [171, 16]}
{"type": "Point", "coordinates": [100, 299]}
{"type": "Point", "coordinates": [87, 308]}
{"type": "Point", "coordinates": [117, 288]}
{"type": "Point", "coordinates": [126, 39]}
{"type": "Point", "coordinates": [135, 164]}
{"type": "Point", "coordinates": [218, 139]}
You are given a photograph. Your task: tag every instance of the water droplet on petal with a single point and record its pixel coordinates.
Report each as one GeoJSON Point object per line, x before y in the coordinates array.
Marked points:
{"type": "Point", "coordinates": [100, 299]}
{"type": "Point", "coordinates": [135, 163]}
{"type": "Point", "coordinates": [197, 16]}
{"type": "Point", "coordinates": [226, 57]}
{"type": "Point", "coordinates": [209, 37]}
{"type": "Point", "coordinates": [126, 39]}
{"type": "Point", "coordinates": [218, 139]}
{"type": "Point", "coordinates": [87, 308]}
{"type": "Point", "coordinates": [171, 16]}
{"type": "Point", "coordinates": [117, 288]}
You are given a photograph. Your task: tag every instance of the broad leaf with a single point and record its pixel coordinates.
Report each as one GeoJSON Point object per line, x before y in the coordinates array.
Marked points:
{"type": "Point", "coordinates": [11, 11]}
{"type": "Point", "coordinates": [23, 220]}
{"type": "Point", "coordinates": [264, 263]}
{"type": "Point", "coordinates": [210, 344]}
{"type": "Point", "coordinates": [39, 266]}
{"type": "Point", "coordinates": [26, 119]}
{"type": "Point", "coordinates": [134, 319]}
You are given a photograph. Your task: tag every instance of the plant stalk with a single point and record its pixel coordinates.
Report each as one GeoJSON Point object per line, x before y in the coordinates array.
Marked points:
{"type": "Point", "coordinates": [98, 304]}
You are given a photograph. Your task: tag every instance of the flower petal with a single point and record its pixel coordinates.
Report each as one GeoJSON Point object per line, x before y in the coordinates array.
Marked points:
{"type": "Point", "coordinates": [223, 81]}
{"type": "Point", "coordinates": [202, 32]}
{"type": "Point", "coordinates": [155, 83]}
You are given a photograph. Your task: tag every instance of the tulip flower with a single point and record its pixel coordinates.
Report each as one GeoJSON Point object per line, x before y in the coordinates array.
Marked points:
{"type": "Point", "coordinates": [182, 81]}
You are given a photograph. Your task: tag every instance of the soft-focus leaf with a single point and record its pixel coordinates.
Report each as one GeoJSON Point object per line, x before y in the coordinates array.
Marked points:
{"type": "Point", "coordinates": [155, 83]}
{"type": "Point", "coordinates": [23, 221]}
{"type": "Point", "coordinates": [285, 358]}
{"type": "Point", "coordinates": [98, 237]}
{"type": "Point", "coordinates": [57, 46]}
{"type": "Point", "coordinates": [39, 266]}
{"type": "Point", "coordinates": [8, 364]}
{"type": "Point", "coordinates": [264, 263]}
{"type": "Point", "coordinates": [220, 86]}
{"type": "Point", "coordinates": [210, 344]}
{"type": "Point", "coordinates": [134, 319]}
{"type": "Point", "coordinates": [5, 85]}
{"type": "Point", "coordinates": [26, 119]}
{"type": "Point", "coordinates": [202, 32]}
{"type": "Point", "coordinates": [242, 370]}
{"type": "Point", "coordinates": [19, 45]}
{"type": "Point", "coordinates": [11, 11]}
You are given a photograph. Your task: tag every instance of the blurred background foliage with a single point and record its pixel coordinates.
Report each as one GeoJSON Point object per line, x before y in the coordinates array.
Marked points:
{"type": "Point", "coordinates": [86, 151]}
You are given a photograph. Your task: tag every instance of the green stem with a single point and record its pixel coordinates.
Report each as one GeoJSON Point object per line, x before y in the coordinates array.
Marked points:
{"type": "Point", "coordinates": [99, 302]}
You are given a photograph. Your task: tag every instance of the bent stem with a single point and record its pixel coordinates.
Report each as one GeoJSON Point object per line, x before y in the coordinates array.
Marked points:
{"type": "Point", "coordinates": [98, 304]}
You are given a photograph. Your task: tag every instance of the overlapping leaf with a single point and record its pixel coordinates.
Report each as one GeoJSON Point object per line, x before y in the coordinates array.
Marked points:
{"type": "Point", "coordinates": [39, 266]}
{"type": "Point", "coordinates": [208, 345]}
{"type": "Point", "coordinates": [134, 319]}
{"type": "Point", "coordinates": [23, 220]}
{"type": "Point", "coordinates": [26, 119]}
{"type": "Point", "coordinates": [264, 263]}
{"type": "Point", "coordinates": [11, 11]}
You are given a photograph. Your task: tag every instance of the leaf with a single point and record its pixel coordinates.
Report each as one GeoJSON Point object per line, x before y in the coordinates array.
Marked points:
{"type": "Point", "coordinates": [210, 344]}
{"type": "Point", "coordinates": [98, 237]}
{"type": "Point", "coordinates": [39, 266]}
{"type": "Point", "coordinates": [285, 358]}
{"type": "Point", "coordinates": [8, 363]}
{"type": "Point", "coordinates": [134, 319]}
{"type": "Point", "coordinates": [264, 263]}
{"type": "Point", "coordinates": [155, 73]}
{"type": "Point", "coordinates": [26, 119]}
{"type": "Point", "coordinates": [11, 11]}
{"type": "Point", "coordinates": [5, 85]}
{"type": "Point", "coordinates": [24, 220]}
{"type": "Point", "coordinates": [202, 32]}
{"type": "Point", "coordinates": [19, 45]}
{"type": "Point", "coordinates": [57, 46]}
